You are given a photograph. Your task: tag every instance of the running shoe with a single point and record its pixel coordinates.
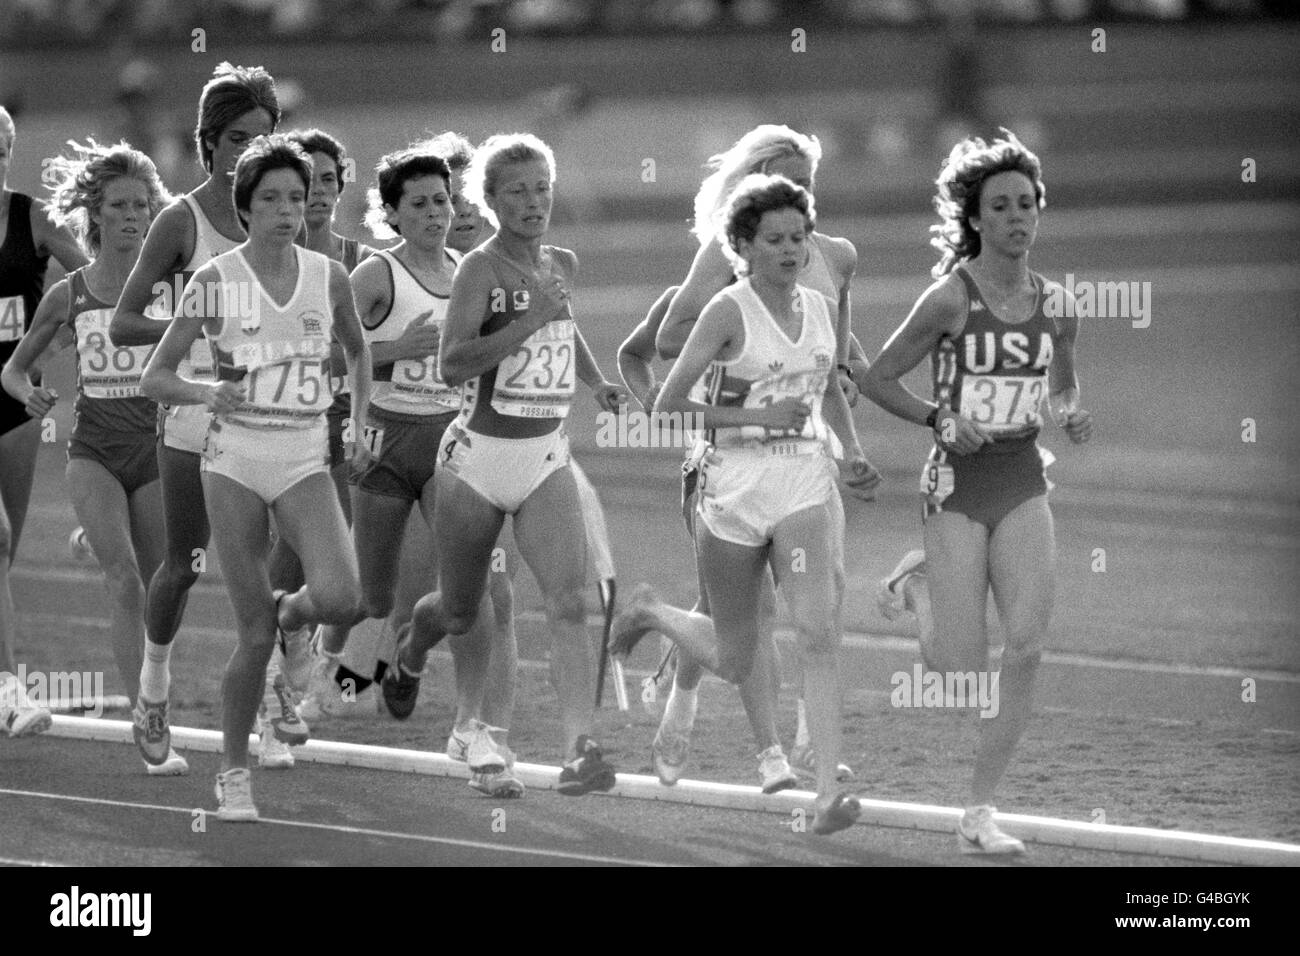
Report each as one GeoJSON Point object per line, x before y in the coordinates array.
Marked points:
{"type": "Point", "coordinates": [150, 729]}
{"type": "Point", "coordinates": [401, 690]}
{"type": "Point", "coordinates": [656, 688]}
{"type": "Point", "coordinates": [235, 796]}
{"type": "Point", "coordinates": [481, 753]}
{"type": "Point", "coordinates": [586, 772]}
{"type": "Point", "coordinates": [890, 596]}
{"type": "Point", "coordinates": [803, 759]}
{"type": "Point", "coordinates": [325, 698]}
{"type": "Point", "coordinates": [19, 717]}
{"type": "Point", "coordinates": [977, 833]}
{"type": "Point", "coordinates": [503, 784]}
{"type": "Point", "coordinates": [272, 753]}
{"type": "Point", "coordinates": [842, 813]}
{"type": "Point", "coordinates": [774, 771]}
{"type": "Point", "coordinates": [174, 766]}
{"type": "Point", "coordinates": [287, 725]}
{"type": "Point", "coordinates": [298, 658]}
{"type": "Point", "coordinates": [669, 753]}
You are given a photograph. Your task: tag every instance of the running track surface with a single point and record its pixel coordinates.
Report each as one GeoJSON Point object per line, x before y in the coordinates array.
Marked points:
{"type": "Point", "coordinates": [89, 804]}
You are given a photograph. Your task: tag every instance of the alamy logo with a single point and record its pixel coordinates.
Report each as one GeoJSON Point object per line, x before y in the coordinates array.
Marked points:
{"type": "Point", "coordinates": [61, 690]}
{"type": "Point", "coordinates": [1100, 300]}
{"type": "Point", "coordinates": [962, 689]}
{"type": "Point", "coordinates": [74, 908]}
{"type": "Point", "coordinates": [637, 429]}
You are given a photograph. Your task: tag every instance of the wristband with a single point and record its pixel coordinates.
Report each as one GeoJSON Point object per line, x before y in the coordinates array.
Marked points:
{"type": "Point", "coordinates": [932, 419]}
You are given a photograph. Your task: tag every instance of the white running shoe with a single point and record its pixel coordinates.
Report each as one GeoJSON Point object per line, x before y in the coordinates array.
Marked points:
{"type": "Point", "coordinates": [669, 752]}
{"type": "Point", "coordinates": [174, 766]}
{"type": "Point", "coordinates": [324, 697]}
{"type": "Point", "coordinates": [272, 752]}
{"type": "Point", "coordinates": [482, 755]}
{"type": "Point", "coordinates": [298, 657]}
{"type": "Point", "coordinates": [458, 745]}
{"type": "Point", "coordinates": [803, 759]}
{"type": "Point", "coordinates": [890, 596]}
{"type": "Point", "coordinates": [977, 833]}
{"type": "Point", "coordinates": [503, 784]}
{"type": "Point", "coordinates": [19, 717]}
{"type": "Point", "coordinates": [774, 771]}
{"type": "Point", "coordinates": [235, 796]}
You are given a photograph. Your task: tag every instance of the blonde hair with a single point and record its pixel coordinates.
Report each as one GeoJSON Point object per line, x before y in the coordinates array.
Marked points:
{"type": "Point", "coordinates": [496, 153]}
{"type": "Point", "coordinates": [78, 185]}
{"type": "Point", "coordinates": [7, 127]}
{"type": "Point", "coordinates": [752, 153]}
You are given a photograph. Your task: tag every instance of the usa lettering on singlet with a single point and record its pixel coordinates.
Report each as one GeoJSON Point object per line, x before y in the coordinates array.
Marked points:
{"type": "Point", "coordinates": [411, 386]}
{"type": "Point", "coordinates": [280, 353]}
{"type": "Point", "coordinates": [995, 372]}
{"type": "Point", "coordinates": [772, 368]}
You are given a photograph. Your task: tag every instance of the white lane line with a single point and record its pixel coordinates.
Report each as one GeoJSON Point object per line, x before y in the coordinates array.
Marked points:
{"type": "Point", "coordinates": [337, 828]}
{"type": "Point", "coordinates": [891, 813]}
{"type": "Point", "coordinates": [853, 641]}
{"type": "Point", "coordinates": [13, 861]}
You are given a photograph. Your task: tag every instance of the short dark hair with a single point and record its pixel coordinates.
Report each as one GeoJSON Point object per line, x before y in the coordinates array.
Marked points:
{"type": "Point", "coordinates": [393, 171]}
{"type": "Point", "coordinates": [264, 154]}
{"type": "Point", "coordinates": [319, 141]}
{"type": "Point", "coordinates": [232, 92]}
{"type": "Point", "coordinates": [755, 195]}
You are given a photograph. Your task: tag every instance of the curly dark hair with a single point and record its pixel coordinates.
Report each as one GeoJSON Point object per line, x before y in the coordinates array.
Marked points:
{"type": "Point", "coordinates": [960, 182]}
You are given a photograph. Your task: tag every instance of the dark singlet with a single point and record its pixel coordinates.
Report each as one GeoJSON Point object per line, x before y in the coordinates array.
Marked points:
{"type": "Point", "coordinates": [108, 376]}
{"type": "Point", "coordinates": [995, 372]}
{"type": "Point", "coordinates": [547, 368]}
{"type": "Point", "coordinates": [22, 282]}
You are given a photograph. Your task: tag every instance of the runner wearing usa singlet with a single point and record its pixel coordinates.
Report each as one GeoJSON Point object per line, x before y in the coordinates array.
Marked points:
{"type": "Point", "coordinates": [236, 105]}
{"type": "Point", "coordinates": [268, 308]}
{"type": "Point", "coordinates": [996, 356]}
{"type": "Point", "coordinates": [512, 342]}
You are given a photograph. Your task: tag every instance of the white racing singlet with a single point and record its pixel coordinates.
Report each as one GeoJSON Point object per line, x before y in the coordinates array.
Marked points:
{"type": "Point", "coordinates": [772, 368]}
{"type": "Point", "coordinates": [281, 353]}
{"type": "Point", "coordinates": [411, 386]}
{"type": "Point", "coordinates": [186, 425]}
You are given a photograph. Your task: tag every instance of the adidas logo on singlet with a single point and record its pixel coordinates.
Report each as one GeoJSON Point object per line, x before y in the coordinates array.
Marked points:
{"type": "Point", "coordinates": [775, 366]}
{"type": "Point", "coordinates": [977, 306]}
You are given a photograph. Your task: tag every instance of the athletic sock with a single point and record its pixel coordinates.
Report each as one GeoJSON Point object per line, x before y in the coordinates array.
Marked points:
{"type": "Point", "coordinates": [155, 673]}
{"type": "Point", "coordinates": [271, 700]}
{"type": "Point", "coordinates": [679, 712]}
{"type": "Point", "coordinates": [359, 683]}
{"type": "Point", "coordinates": [801, 736]}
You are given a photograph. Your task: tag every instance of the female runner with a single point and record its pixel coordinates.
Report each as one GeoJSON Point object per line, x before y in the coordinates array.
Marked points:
{"type": "Point", "coordinates": [995, 354]}
{"type": "Point", "coordinates": [268, 308]}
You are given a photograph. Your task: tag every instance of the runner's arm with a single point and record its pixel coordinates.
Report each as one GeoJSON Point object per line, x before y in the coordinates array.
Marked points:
{"type": "Point", "coordinates": [164, 244]}
{"type": "Point", "coordinates": [47, 321]}
{"type": "Point", "coordinates": [710, 272]}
